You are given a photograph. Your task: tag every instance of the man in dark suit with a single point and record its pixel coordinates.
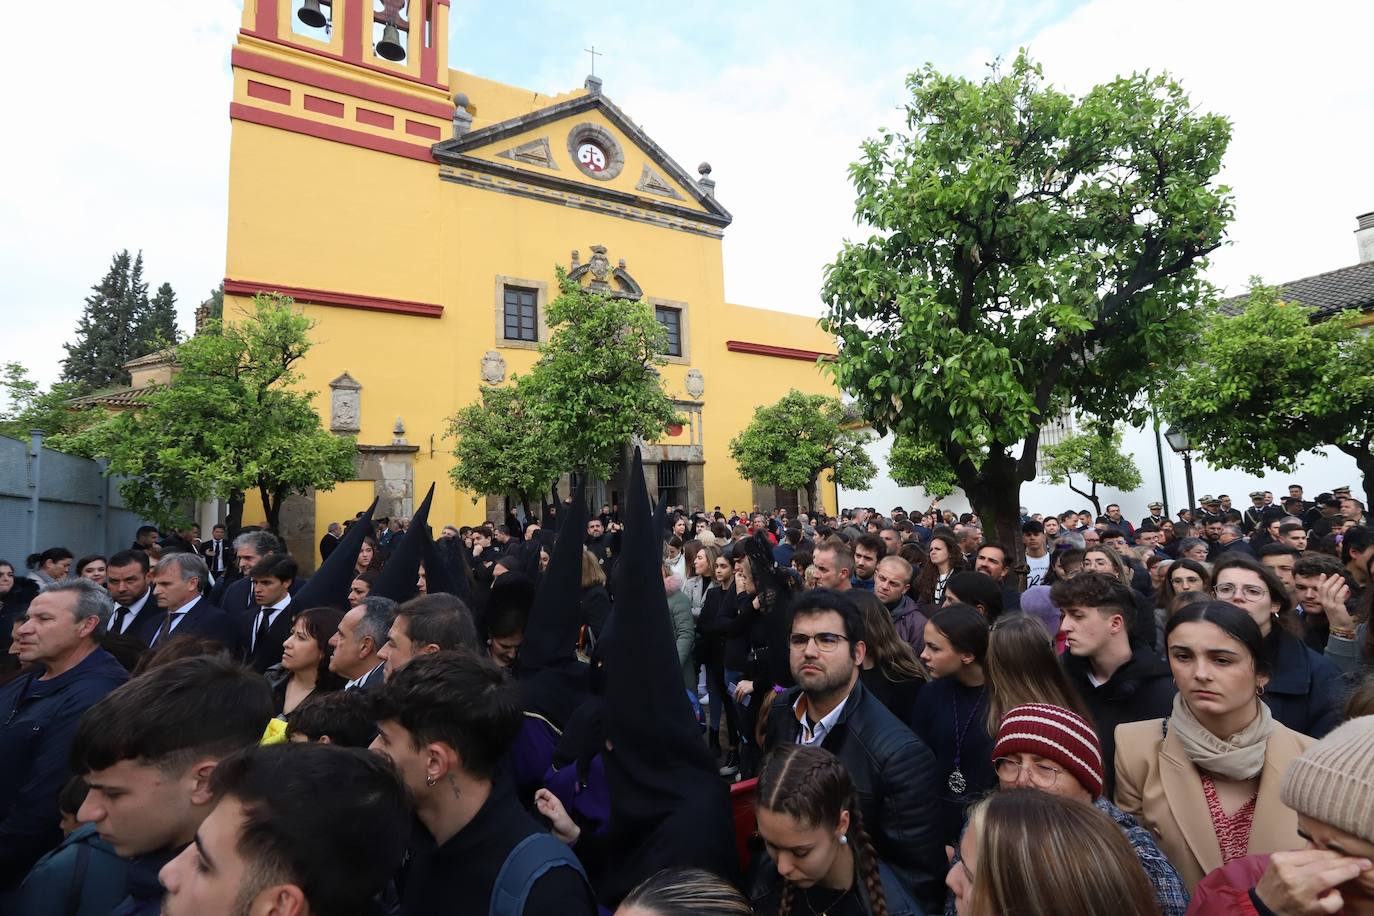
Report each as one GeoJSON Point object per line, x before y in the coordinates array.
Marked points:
{"type": "Point", "coordinates": [262, 634]}
{"type": "Point", "coordinates": [136, 613]}
{"type": "Point", "coordinates": [177, 586]}
{"type": "Point", "coordinates": [361, 635]}
{"type": "Point", "coordinates": [218, 553]}
{"type": "Point", "coordinates": [236, 595]}
{"type": "Point", "coordinates": [330, 540]}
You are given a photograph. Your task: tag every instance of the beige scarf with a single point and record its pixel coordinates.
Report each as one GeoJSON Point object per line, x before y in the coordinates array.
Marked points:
{"type": "Point", "coordinates": [1239, 757]}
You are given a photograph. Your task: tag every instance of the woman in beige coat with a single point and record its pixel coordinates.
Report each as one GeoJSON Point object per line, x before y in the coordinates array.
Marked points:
{"type": "Point", "coordinates": [1206, 780]}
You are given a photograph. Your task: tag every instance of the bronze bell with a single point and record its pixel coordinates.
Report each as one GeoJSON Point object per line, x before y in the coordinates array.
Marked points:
{"type": "Point", "coordinates": [311, 15]}
{"type": "Point", "coordinates": [390, 47]}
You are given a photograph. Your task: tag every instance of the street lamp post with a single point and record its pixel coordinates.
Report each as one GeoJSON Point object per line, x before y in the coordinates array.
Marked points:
{"type": "Point", "coordinates": [1178, 441]}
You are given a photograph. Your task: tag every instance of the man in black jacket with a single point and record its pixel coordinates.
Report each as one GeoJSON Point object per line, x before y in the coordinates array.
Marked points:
{"type": "Point", "coordinates": [177, 584]}
{"type": "Point", "coordinates": [1119, 683]}
{"type": "Point", "coordinates": [446, 721]}
{"type": "Point", "coordinates": [894, 773]}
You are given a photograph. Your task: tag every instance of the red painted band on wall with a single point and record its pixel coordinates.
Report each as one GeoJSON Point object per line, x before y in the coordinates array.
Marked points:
{"type": "Point", "coordinates": [353, 58]}
{"type": "Point", "coordinates": [258, 63]}
{"type": "Point", "coordinates": [269, 93]}
{"type": "Point", "coordinates": [810, 356]}
{"type": "Point", "coordinates": [342, 300]}
{"type": "Point", "coordinates": [375, 118]}
{"type": "Point", "coordinates": [346, 135]}
{"type": "Point", "coordinates": [421, 129]}
{"type": "Point", "coordinates": [324, 106]}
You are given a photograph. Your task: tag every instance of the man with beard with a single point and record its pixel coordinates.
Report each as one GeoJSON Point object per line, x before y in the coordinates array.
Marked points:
{"type": "Point", "coordinates": [894, 773]}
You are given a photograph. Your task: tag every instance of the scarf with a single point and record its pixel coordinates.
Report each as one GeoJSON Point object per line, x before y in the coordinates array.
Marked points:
{"type": "Point", "coordinates": [1239, 757]}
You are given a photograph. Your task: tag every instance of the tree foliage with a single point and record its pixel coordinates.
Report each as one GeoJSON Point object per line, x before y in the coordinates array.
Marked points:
{"type": "Point", "coordinates": [791, 442]}
{"type": "Point", "coordinates": [119, 323]}
{"type": "Point", "coordinates": [230, 422]}
{"type": "Point", "coordinates": [1032, 252]}
{"type": "Point", "coordinates": [29, 407]}
{"type": "Point", "coordinates": [504, 447]}
{"type": "Point", "coordinates": [1094, 456]}
{"type": "Point", "coordinates": [596, 385]}
{"type": "Point", "coordinates": [916, 463]}
{"type": "Point", "coordinates": [1272, 381]}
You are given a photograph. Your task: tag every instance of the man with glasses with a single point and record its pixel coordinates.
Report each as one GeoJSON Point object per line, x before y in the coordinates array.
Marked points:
{"type": "Point", "coordinates": [894, 773]}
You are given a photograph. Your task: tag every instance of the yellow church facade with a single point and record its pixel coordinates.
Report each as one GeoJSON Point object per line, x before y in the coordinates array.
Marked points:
{"type": "Point", "coordinates": [418, 214]}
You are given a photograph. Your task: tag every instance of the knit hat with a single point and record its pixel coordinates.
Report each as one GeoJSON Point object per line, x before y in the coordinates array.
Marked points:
{"type": "Point", "coordinates": [1333, 780]}
{"type": "Point", "coordinates": [1054, 733]}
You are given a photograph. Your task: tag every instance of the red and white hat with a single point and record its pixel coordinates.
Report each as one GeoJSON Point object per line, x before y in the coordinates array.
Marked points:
{"type": "Point", "coordinates": [1054, 733]}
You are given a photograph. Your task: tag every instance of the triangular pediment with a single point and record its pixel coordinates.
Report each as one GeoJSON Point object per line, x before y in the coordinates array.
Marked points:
{"type": "Point", "coordinates": [585, 146]}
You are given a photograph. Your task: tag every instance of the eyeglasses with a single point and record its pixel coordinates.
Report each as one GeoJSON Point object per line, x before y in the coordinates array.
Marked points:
{"type": "Point", "coordinates": [1252, 592]}
{"type": "Point", "coordinates": [826, 642]}
{"type": "Point", "coordinates": [1042, 775]}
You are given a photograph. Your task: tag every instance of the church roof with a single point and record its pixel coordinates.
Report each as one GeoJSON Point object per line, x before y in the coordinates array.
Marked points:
{"type": "Point", "coordinates": [1328, 293]}
{"type": "Point", "coordinates": [118, 397]}
{"type": "Point", "coordinates": [456, 152]}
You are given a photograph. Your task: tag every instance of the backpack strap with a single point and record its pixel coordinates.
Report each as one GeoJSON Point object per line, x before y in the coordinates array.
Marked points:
{"type": "Point", "coordinates": [78, 883]}
{"type": "Point", "coordinates": [532, 858]}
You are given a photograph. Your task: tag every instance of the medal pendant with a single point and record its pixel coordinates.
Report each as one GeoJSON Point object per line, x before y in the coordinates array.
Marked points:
{"type": "Point", "coordinates": [957, 784]}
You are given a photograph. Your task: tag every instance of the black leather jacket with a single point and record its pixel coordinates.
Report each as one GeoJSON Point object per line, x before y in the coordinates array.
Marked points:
{"type": "Point", "coordinates": [895, 778]}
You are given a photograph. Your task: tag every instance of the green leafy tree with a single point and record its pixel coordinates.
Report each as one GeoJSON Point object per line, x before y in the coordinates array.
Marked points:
{"type": "Point", "coordinates": [29, 407]}
{"type": "Point", "coordinates": [791, 442]}
{"type": "Point", "coordinates": [596, 385]}
{"type": "Point", "coordinates": [105, 334]}
{"type": "Point", "coordinates": [1273, 381]}
{"type": "Point", "coordinates": [1095, 457]}
{"type": "Point", "coordinates": [1032, 252]}
{"type": "Point", "coordinates": [913, 463]}
{"type": "Point", "coordinates": [230, 422]}
{"type": "Point", "coordinates": [157, 323]}
{"type": "Point", "coordinates": [503, 447]}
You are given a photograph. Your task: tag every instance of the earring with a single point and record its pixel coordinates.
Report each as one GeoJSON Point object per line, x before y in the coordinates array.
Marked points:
{"type": "Point", "coordinates": [430, 781]}
{"type": "Point", "coordinates": [844, 840]}
{"type": "Point", "coordinates": [1259, 691]}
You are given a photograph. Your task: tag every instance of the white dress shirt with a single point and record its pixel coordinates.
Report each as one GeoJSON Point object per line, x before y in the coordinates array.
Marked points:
{"type": "Point", "coordinates": [812, 735]}
{"type": "Point", "coordinates": [272, 614]}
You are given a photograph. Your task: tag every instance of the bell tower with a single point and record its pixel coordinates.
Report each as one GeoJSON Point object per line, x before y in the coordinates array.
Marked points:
{"type": "Point", "coordinates": [370, 73]}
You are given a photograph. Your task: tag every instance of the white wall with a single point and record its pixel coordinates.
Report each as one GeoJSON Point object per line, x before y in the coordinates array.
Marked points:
{"type": "Point", "coordinates": [1315, 472]}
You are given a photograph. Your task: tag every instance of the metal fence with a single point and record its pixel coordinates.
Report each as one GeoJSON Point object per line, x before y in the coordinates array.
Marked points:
{"type": "Point", "coordinates": [48, 499]}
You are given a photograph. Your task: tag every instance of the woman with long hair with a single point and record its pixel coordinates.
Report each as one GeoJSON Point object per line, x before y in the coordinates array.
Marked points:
{"type": "Point", "coordinates": [49, 566]}
{"type": "Point", "coordinates": [891, 670]}
{"type": "Point", "coordinates": [92, 567]}
{"type": "Point", "coordinates": [808, 817]}
{"type": "Point", "coordinates": [764, 600]}
{"type": "Point", "coordinates": [367, 556]}
{"type": "Point", "coordinates": [1022, 667]}
{"type": "Point", "coordinates": [943, 559]}
{"type": "Point", "coordinates": [1184, 575]}
{"type": "Point", "coordinates": [596, 601]}
{"type": "Point", "coordinates": [1206, 780]}
{"type": "Point", "coordinates": [952, 716]}
{"type": "Point", "coordinates": [684, 892]}
{"type": "Point", "coordinates": [696, 584]}
{"type": "Point", "coordinates": [1305, 692]}
{"type": "Point", "coordinates": [305, 658]}
{"type": "Point", "coordinates": [718, 612]}
{"type": "Point", "coordinates": [1037, 854]}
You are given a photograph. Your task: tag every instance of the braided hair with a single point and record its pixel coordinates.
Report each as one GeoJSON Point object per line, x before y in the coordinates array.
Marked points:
{"type": "Point", "coordinates": [810, 785]}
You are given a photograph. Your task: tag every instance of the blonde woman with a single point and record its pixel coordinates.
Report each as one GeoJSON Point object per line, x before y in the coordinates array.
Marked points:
{"type": "Point", "coordinates": [1022, 668]}
{"type": "Point", "coordinates": [596, 601]}
{"type": "Point", "coordinates": [1037, 854]}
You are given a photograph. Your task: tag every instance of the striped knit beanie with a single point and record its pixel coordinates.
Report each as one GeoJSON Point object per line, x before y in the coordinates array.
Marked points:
{"type": "Point", "coordinates": [1054, 733]}
{"type": "Point", "coordinates": [1333, 780]}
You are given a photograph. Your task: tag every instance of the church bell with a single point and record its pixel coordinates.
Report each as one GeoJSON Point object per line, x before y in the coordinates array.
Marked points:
{"type": "Point", "coordinates": [311, 14]}
{"type": "Point", "coordinates": [390, 47]}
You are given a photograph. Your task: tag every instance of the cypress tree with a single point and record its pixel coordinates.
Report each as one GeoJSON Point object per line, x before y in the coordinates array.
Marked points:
{"type": "Point", "coordinates": [94, 359]}
{"type": "Point", "coordinates": [157, 325]}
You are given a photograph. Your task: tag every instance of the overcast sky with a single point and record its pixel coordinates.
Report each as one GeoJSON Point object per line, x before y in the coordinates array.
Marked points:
{"type": "Point", "coordinates": [127, 147]}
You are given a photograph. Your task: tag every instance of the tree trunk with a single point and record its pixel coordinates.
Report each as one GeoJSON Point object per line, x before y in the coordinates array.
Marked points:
{"type": "Point", "coordinates": [1364, 460]}
{"type": "Point", "coordinates": [995, 492]}
{"type": "Point", "coordinates": [811, 486]}
{"type": "Point", "coordinates": [233, 519]}
{"type": "Point", "coordinates": [271, 508]}
{"type": "Point", "coordinates": [1092, 497]}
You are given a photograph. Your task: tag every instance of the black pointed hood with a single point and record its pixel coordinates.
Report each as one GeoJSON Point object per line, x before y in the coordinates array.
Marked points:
{"type": "Point", "coordinates": [401, 573]}
{"type": "Point", "coordinates": [329, 586]}
{"type": "Point", "coordinates": [668, 805]}
{"type": "Point", "coordinates": [556, 616]}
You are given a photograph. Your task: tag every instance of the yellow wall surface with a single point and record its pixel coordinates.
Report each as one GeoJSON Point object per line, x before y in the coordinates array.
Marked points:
{"type": "Point", "coordinates": [313, 213]}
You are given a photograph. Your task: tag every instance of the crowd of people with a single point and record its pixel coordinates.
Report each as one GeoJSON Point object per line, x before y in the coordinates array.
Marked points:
{"type": "Point", "coordinates": [651, 710]}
